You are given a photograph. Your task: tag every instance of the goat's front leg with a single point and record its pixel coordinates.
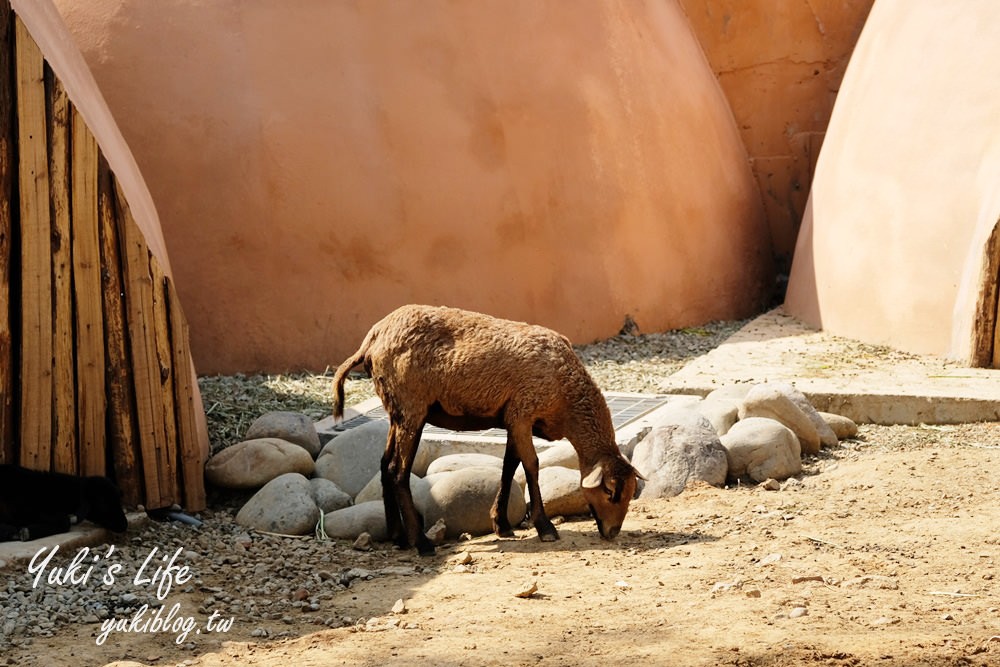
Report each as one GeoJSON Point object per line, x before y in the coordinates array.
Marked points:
{"type": "Point", "coordinates": [407, 441]}
{"type": "Point", "coordinates": [520, 433]}
{"type": "Point", "coordinates": [501, 523]}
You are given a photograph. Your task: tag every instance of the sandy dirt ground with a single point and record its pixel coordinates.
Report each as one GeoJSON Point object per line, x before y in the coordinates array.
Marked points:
{"type": "Point", "coordinates": [884, 552]}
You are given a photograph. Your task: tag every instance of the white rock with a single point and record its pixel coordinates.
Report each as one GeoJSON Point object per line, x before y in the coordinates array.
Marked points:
{"type": "Point", "coordinates": [432, 448]}
{"type": "Point", "coordinates": [772, 401]}
{"type": "Point", "coordinates": [841, 426]}
{"type": "Point", "coordinates": [672, 456]}
{"type": "Point", "coordinates": [730, 392]}
{"type": "Point", "coordinates": [451, 462]}
{"type": "Point", "coordinates": [561, 454]}
{"type": "Point", "coordinates": [437, 532]}
{"type": "Point", "coordinates": [762, 449]}
{"type": "Point", "coordinates": [561, 492]}
{"type": "Point", "coordinates": [685, 413]}
{"type": "Point", "coordinates": [722, 413]}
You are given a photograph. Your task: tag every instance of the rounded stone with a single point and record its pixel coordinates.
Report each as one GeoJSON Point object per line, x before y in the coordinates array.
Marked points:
{"type": "Point", "coordinates": [353, 457]}
{"type": "Point", "coordinates": [672, 456]}
{"type": "Point", "coordinates": [253, 463]}
{"type": "Point", "coordinates": [284, 505]}
{"type": "Point", "coordinates": [772, 401]}
{"type": "Point", "coordinates": [328, 496]}
{"type": "Point", "coordinates": [292, 427]}
{"type": "Point", "coordinates": [348, 523]}
{"type": "Point", "coordinates": [464, 498]}
{"type": "Point", "coordinates": [419, 489]}
{"type": "Point", "coordinates": [561, 492]}
{"type": "Point", "coordinates": [842, 427]}
{"type": "Point", "coordinates": [451, 462]}
{"type": "Point", "coordinates": [762, 449]}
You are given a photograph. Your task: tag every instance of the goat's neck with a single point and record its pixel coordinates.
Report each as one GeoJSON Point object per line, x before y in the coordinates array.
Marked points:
{"type": "Point", "coordinates": [590, 429]}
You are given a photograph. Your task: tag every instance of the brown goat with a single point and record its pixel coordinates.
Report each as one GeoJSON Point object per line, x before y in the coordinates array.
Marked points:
{"type": "Point", "coordinates": [468, 371]}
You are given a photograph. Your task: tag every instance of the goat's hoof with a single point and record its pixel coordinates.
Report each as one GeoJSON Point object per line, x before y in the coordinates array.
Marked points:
{"type": "Point", "coordinates": [548, 536]}
{"type": "Point", "coordinates": [424, 546]}
{"type": "Point", "coordinates": [503, 532]}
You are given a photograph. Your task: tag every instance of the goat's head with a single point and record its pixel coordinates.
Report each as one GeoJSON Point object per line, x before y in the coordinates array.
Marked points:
{"type": "Point", "coordinates": [609, 487]}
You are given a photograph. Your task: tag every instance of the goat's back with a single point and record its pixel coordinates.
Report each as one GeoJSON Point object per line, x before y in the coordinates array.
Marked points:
{"type": "Point", "coordinates": [469, 363]}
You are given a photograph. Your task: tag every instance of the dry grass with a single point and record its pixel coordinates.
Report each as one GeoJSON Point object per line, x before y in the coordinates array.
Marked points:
{"type": "Point", "coordinates": [233, 402]}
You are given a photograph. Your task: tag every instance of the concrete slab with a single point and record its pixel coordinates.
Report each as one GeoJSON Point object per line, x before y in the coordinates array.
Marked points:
{"type": "Point", "coordinates": [869, 384]}
{"type": "Point", "coordinates": [81, 535]}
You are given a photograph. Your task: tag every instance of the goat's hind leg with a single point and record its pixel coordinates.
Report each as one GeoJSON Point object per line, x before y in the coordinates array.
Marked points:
{"type": "Point", "coordinates": [388, 468]}
{"type": "Point", "coordinates": [501, 522]}
{"type": "Point", "coordinates": [407, 441]}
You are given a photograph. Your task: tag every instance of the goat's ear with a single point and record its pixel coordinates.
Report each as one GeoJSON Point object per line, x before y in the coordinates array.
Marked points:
{"type": "Point", "coordinates": [594, 479]}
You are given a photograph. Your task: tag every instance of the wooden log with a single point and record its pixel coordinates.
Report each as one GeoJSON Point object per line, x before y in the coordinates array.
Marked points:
{"type": "Point", "coordinates": [36, 260]}
{"type": "Point", "coordinates": [123, 442]}
{"type": "Point", "coordinates": [64, 452]}
{"type": "Point", "coordinates": [138, 286]}
{"type": "Point", "coordinates": [190, 446]}
{"type": "Point", "coordinates": [90, 385]}
{"type": "Point", "coordinates": [169, 478]}
{"type": "Point", "coordinates": [986, 324]}
{"type": "Point", "coordinates": [8, 373]}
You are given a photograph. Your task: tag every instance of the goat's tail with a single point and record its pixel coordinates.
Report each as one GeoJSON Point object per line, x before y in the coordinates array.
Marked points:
{"type": "Point", "coordinates": [341, 375]}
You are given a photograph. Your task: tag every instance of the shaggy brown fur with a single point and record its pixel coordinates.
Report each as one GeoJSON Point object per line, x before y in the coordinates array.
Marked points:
{"type": "Point", "coordinates": [468, 371]}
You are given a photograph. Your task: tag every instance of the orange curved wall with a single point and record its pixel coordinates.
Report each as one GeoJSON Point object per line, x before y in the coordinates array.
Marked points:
{"type": "Point", "coordinates": [907, 188]}
{"type": "Point", "coordinates": [780, 65]}
{"type": "Point", "coordinates": [317, 164]}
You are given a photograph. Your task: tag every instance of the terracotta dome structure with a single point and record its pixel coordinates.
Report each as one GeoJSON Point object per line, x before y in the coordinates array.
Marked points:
{"type": "Point", "coordinates": [315, 165]}
{"type": "Point", "coordinates": [900, 243]}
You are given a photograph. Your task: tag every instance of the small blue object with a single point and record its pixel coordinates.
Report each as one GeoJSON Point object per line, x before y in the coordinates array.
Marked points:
{"type": "Point", "coordinates": [184, 518]}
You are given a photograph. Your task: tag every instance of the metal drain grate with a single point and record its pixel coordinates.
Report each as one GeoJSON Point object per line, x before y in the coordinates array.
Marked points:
{"type": "Point", "coordinates": [625, 408]}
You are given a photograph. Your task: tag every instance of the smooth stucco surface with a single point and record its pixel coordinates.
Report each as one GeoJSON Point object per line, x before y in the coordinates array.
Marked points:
{"type": "Point", "coordinates": [907, 188]}
{"type": "Point", "coordinates": [318, 164]}
{"type": "Point", "coordinates": [780, 65]}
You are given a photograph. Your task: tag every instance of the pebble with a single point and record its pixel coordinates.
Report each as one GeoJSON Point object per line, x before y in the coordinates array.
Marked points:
{"type": "Point", "coordinates": [797, 612]}
{"type": "Point", "coordinates": [274, 580]}
{"type": "Point", "coordinates": [437, 532]}
{"type": "Point", "coordinates": [363, 543]}
{"type": "Point", "coordinates": [527, 590]}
